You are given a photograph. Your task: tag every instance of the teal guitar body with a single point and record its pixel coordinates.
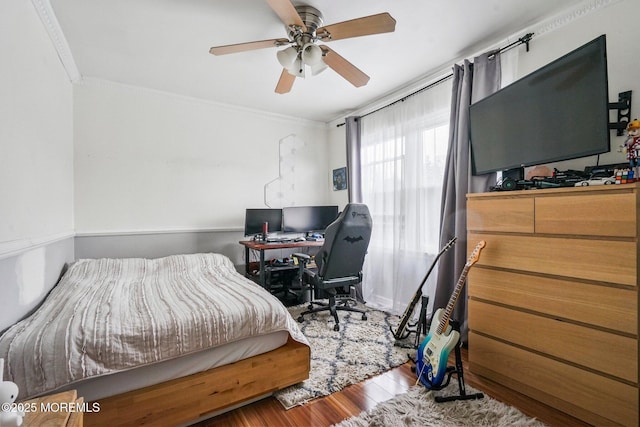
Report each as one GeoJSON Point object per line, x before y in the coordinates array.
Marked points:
{"type": "Point", "coordinates": [433, 353]}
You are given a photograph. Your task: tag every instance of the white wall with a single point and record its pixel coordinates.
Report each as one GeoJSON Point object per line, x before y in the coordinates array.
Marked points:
{"type": "Point", "coordinates": [36, 162]}
{"type": "Point", "coordinates": [36, 139]}
{"type": "Point", "coordinates": [152, 161]}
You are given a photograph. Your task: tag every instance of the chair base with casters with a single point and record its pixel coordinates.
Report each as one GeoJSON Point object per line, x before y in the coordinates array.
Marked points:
{"type": "Point", "coordinates": [329, 287]}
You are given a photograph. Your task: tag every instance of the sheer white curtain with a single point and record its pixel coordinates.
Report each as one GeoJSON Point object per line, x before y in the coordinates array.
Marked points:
{"type": "Point", "coordinates": [509, 66]}
{"type": "Point", "coordinates": [403, 153]}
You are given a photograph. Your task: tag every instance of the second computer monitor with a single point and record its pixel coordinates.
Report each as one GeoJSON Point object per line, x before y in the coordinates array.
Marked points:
{"type": "Point", "coordinates": [306, 219]}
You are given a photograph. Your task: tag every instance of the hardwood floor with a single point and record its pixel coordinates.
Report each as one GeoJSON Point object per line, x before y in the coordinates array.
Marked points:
{"type": "Point", "coordinates": [365, 395]}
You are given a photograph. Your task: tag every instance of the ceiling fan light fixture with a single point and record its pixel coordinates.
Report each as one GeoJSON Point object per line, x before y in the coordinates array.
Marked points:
{"type": "Point", "coordinates": [297, 69]}
{"type": "Point", "coordinates": [318, 68]}
{"type": "Point", "coordinates": [287, 57]}
{"type": "Point", "coordinates": [311, 54]}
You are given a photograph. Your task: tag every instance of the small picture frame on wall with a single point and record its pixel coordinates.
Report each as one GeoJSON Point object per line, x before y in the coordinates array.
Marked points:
{"type": "Point", "coordinates": [340, 179]}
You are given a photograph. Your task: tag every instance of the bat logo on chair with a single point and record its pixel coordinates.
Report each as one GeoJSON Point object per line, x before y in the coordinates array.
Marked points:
{"type": "Point", "coordinates": [353, 239]}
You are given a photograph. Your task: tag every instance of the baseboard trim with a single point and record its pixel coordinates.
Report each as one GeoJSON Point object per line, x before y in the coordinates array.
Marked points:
{"type": "Point", "coordinates": [105, 233]}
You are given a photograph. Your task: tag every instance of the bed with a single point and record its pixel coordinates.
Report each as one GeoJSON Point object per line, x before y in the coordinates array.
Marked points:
{"type": "Point", "coordinates": [159, 341]}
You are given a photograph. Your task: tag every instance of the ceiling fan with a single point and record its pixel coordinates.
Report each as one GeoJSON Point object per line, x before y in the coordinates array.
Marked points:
{"type": "Point", "coordinates": [305, 31]}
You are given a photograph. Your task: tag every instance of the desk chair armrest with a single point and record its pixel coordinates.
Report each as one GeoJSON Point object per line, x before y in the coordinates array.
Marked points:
{"type": "Point", "coordinates": [341, 281]}
{"type": "Point", "coordinates": [302, 258]}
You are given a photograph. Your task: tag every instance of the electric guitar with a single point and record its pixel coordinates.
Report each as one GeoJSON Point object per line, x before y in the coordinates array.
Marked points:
{"type": "Point", "coordinates": [433, 353]}
{"type": "Point", "coordinates": [401, 332]}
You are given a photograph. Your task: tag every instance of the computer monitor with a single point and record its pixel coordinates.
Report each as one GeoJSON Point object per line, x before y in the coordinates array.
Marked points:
{"type": "Point", "coordinates": [306, 219]}
{"type": "Point", "coordinates": [255, 218]}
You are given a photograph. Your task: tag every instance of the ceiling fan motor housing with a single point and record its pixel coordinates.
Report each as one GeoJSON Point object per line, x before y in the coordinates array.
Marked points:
{"type": "Point", "coordinates": [311, 17]}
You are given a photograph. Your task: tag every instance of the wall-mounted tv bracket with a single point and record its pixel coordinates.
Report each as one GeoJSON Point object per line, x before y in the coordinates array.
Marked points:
{"type": "Point", "coordinates": [624, 112]}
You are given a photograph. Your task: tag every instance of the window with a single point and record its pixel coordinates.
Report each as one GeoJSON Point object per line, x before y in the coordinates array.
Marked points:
{"type": "Point", "coordinates": [384, 168]}
{"type": "Point", "coordinates": [403, 154]}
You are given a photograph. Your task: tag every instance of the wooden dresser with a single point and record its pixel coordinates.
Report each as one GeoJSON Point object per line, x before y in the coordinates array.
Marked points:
{"type": "Point", "coordinates": [553, 298]}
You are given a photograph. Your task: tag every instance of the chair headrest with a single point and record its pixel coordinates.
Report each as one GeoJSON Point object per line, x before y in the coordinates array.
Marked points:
{"type": "Point", "coordinates": [356, 213]}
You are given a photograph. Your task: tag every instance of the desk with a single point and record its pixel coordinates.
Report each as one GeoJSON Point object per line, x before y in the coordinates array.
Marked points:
{"type": "Point", "coordinates": [265, 246]}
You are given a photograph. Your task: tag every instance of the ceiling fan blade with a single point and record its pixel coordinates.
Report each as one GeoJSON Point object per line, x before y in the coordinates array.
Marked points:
{"type": "Point", "coordinates": [287, 13]}
{"type": "Point", "coordinates": [242, 47]}
{"type": "Point", "coordinates": [343, 67]}
{"type": "Point", "coordinates": [286, 82]}
{"type": "Point", "coordinates": [365, 26]}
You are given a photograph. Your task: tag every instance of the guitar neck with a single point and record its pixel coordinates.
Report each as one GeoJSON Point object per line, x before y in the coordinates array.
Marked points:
{"type": "Point", "coordinates": [473, 258]}
{"type": "Point", "coordinates": [444, 321]}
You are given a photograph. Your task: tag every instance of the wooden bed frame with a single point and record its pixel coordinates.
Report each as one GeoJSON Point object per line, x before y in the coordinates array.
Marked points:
{"type": "Point", "coordinates": [193, 397]}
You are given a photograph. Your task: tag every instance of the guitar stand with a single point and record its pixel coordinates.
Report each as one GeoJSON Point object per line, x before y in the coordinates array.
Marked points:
{"type": "Point", "coordinates": [459, 371]}
{"type": "Point", "coordinates": [420, 327]}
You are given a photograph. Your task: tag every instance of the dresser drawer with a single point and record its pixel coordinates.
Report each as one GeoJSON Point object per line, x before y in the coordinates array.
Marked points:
{"type": "Point", "coordinates": [598, 260]}
{"type": "Point", "coordinates": [505, 215]}
{"type": "Point", "coordinates": [609, 214]}
{"type": "Point", "coordinates": [602, 306]}
{"type": "Point", "coordinates": [558, 339]}
{"type": "Point", "coordinates": [585, 394]}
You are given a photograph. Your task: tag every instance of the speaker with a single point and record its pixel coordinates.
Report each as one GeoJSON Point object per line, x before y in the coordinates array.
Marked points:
{"type": "Point", "coordinates": [508, 184]}
{"type": "Point", "coordinates": [516, 174]}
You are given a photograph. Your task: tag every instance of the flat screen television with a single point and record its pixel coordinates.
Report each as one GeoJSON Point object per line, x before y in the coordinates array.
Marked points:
{"type": "Point", "coordinates": [255, 218]}
{"type": "Point", "coordinates": [558, 112]}
{"type": "Point", "coordinates": [306, 219]}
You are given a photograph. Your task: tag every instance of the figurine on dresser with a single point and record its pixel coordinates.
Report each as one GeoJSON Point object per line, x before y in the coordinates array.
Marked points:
{"type": "Point", "coordinates": [632, 147]}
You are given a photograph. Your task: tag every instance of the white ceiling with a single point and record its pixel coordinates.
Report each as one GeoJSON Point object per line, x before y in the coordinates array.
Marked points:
{"type": "Point", "coordinates": [164, 45]}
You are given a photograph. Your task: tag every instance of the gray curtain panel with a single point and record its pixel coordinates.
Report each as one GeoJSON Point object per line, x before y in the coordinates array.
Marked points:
{"type": "Point", "coordinates": [471, 82]}
{"type": "Point", "coordinates": [354, 186]}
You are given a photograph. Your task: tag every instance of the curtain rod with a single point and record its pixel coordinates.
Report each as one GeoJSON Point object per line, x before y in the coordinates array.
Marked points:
{"type": "Point", "coordinates": [522, 40]}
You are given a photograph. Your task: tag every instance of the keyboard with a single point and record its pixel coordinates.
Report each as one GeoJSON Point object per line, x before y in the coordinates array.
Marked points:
{"type": "Point", "coordinates": [278, 239]}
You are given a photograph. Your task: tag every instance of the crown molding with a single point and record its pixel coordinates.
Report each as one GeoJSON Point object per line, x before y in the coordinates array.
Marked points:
{"type": "Point", "coordinates": [88, 81]}
{"type": "Point", "coordinates": [52, 26]}
{"type": "Point", "coordinates": [570, 15]}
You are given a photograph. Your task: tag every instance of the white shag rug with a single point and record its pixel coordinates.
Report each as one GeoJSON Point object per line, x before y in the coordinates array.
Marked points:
{"type": "Point", "coordinates": [361, 349]}
{"type": "Point", "coordinates": [417, 408]}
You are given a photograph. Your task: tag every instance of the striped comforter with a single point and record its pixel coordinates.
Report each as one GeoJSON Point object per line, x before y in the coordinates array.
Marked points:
{"type": "Point", "coordinates": [110, 315]}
